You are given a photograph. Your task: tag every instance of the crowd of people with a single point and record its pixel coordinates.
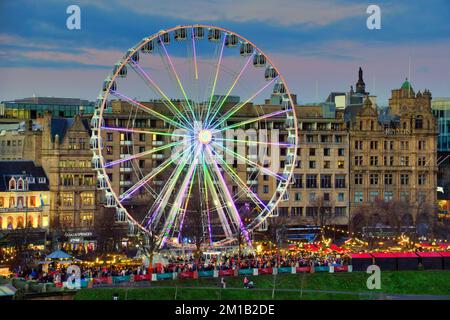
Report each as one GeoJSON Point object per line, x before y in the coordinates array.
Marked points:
{"type": "Point", "coordinates": [55, 272]}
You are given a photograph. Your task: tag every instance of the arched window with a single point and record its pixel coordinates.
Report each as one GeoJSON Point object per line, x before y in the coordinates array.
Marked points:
{"type": "Point", "coordinates": [371, 125]}
{"type": "Point", "coordinates": [20, 184]}
{"type": "Point", "coordinates": [12, 202]}
{"type": "Point", "coordinates": [404, 125]}
{"type": "Point", "coordinates": [419, 122]}
{"type": "Point", "coordinates": [12, 184]}
{"type": "Point", "coordinates": [10, 223]}
{"type": "Point", "coordinates": [20, 202]}
{"type": "Point", "coordinates": [30, 222]}
{"type": "Point", "coordinates": [20, 222]}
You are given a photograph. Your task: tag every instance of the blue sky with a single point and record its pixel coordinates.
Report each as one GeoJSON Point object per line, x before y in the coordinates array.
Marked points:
{"type": "Point", "coordinates": [323, 42]}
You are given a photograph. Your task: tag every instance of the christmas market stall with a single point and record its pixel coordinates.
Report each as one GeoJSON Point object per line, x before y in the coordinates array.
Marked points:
{"type": "Point", "coordinates": [385, 260]}
{"type": "Point", "coordinates": [360, 261]}
{"type": "Point", "coordinates": [407, 261]}
{"type": "Point", "coordinates": [431, 260]}
{"type": "Point", "coordinates": [446, 257]}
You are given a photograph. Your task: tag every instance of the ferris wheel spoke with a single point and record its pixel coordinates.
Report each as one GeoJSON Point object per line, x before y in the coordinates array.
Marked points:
{"type": "Point", "coordinates": [149, 110]}
{"type": "Point", "coordinates": [219, 61]}
{"type": "Point", "coordinates": [217, 110]}
{"type": "Point", "coordinates": [172, 66]}
{"type": "Point", "coordinates": [228, 197]}
{"type": "Point", "coordinates": [257, 201]}
{"type": "Point", "coordinates": [251, 163]}
{"type": "Point", "coordinates": [202, 180]}
{"type": "Point", "coordinates": [194, 53]}
{"type": "Point", "coordinates": [216, 201]}
{"type": "Point", "coordinates": [151, 175]}
{"type": "Point", "coordinates": [263, 117]}
{"type": "Point", "coordinates": [143, 154]}
{"type": "Point", "coordinates": [184, 191]}
{"type": "Point", "coordinates": [167, 102]}
{"type": "Point", "coordinates": [155, 212]}
{"type": "Point", "coordinates": [237, 107]}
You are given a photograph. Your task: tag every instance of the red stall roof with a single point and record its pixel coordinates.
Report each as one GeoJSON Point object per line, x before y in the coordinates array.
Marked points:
{"type": "Point", "coordinates": [445, 254]}
{"type": "Point", "coordinates": [429, 254]}
{"type": "Point", "coordinates": [405, 255]}
{"type": "Point", "coordinates": [360, 256]}
{"type": "Point", "coordinates": [384, 255]}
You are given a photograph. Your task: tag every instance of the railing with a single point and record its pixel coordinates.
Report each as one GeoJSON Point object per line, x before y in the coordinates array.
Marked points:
{"type": "Point", "coordinates": [21, 209]}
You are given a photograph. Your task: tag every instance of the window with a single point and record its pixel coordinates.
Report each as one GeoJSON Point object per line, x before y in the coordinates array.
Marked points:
{"type": "Point", "coordinates": [311, 211]}
{"type": "Point", "coordinates": [388, 161]}
{"type": "Point", "coordinates": [373, 195]}
{"type": "Point", "coordinates": [388, 178]}
{"type": "Point", "coordinates": [266, 188]}
{"type": "Point", "coordinates": [388, 145]}
{"type": "Point", "coordinates": [66, 219]}
{"type": "Point", "coordinates": [419, 122]}
{"type": "Point", "coordinates": [298, 196]}
{"type": "Point", "coordinates": [404, 161]}
{"type": "Point", "coordinates": [326, 152]}
{"type": "Point", "coordinates": [325, 181]}
{"type": "Point", "coordinates": [2, 202]}
{"type": "Point", "coordinates": [421, 161]}
{"type": "Point", "coordinates": [340, 181]}
{"type": "Point", "coordinates": [142, 137]}
{"type": "Point", "coordinates": [373, 145]}
{"type": "Point", "coordinates": [109, 150]}
{"type": "Point", "coordinates": [388, 195]}
{"type": "Point", "coordinates": [82, 143]}
{"type": "Point", "coordinates": [296, 211]}
{"type": "Point", "coordinates": [421, 178]}
{"type": "Point", "coordinates": [404, 145]}
{"type": "Point", "coordinates": [404, 179]}
{"type": "Point", "coordinates": [67, 199]}
{"type": "Point", "coordinates": [373, 179]}
{"type": "Point", "coordinates": [72, 143]}
{"type": "Point", "coordinates": [109, 136]}
{"type": "Point", "coordinates": [338, 139]}
{"type": "Point", "coordinates": [326, 196]}
{"type": "Point", "coordinates": [358, 178]}
{"type": "Point", "coordinates": [358, 197]}
{"type": "Point", "coordinates": [340, 197]}
{"type": "Point", "coordinates": [421, 197]}
{"type": "Point", "coordinates": [421, 144]}
{"type": "Point", "coordinates": [327, 164]}
{"type": "Point", "coordinates": [66, 180]}
{"type": "Point", "coordinates": [341, 152]}
{"type": "Point", "coordinates": [298, 181]}
{"type": "Point", "coordinates": [12, 184]}
{"type": "Point", "coordinates": [340, 211]}
{"type": "Point", "coordinates": [404, 196]}
{"type": "Point", "coordinates": [312, 164]}
{"type": "Point", "coordinates": [87, 218]}
{"type": "Point", "coordinates": [358, 145]}
{"type": "Point", "coordinates": [341, 164]}
{"type": "Point", "coordinates": [20, 185]}
{"type": "Point", "coordinates": [309, 138]}
{"type": "Point", "coordinates": [42, 180]}
{"type": "Point", "coordinates": [311, 181]}
{"type": "Point", "coordinates": [373, 160]}
{"type": "Point", "coordinates": [312, 152]}
{"type": "Point", "coordinates": [87, 198]}
{"type": "Point", "coordinates": [358, 160]}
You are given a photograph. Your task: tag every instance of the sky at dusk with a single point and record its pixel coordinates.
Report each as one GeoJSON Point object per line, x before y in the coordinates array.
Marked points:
{"type": "Point", "coordinates": [312, 42]}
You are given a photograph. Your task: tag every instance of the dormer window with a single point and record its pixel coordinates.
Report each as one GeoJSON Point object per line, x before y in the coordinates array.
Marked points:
{"type": "Point", "coordinates": [20, 185]}
{"type": "Point", "coordinates": [31, 180]}
{"type": "Point", "coordinates": [12, 184]}
{"type": "Point", "coordinates": [41, 179]}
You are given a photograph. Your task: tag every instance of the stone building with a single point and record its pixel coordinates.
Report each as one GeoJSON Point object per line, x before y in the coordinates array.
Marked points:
{"type": "Point", "coordinates": [393, 151]}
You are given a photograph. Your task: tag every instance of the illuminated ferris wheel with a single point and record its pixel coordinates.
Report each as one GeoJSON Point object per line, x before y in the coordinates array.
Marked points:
{"type": "Point", "coordinates": [216, 162]}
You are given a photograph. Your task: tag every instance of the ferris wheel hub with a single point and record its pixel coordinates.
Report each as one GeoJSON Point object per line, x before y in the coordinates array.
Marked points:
{"type": "Point", "coordinates": [205, 136]}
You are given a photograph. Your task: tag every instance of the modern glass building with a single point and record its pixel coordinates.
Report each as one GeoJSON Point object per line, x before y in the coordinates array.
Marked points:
{"type": "Point", "coordinates": [34, 107]}
{"type": "Point", "coordinates": [441, 110]}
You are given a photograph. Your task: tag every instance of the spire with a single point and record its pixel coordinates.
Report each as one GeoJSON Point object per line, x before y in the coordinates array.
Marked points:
{"type": "Point", "coordinates": [360, 85]}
